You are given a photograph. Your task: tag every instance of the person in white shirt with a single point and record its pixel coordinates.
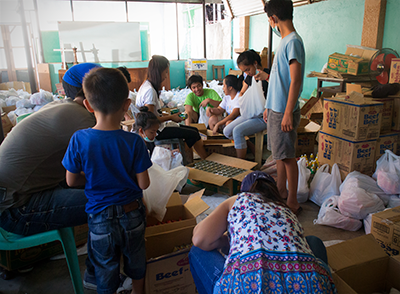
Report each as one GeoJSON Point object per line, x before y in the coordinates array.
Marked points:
{"type": "Point", "coordinates": [148, 95]}
{"type": "Point", "coordinates": [230, 104]}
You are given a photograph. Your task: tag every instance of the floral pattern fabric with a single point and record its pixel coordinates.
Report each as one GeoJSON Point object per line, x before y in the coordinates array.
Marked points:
{"type": "Point", "coordinates": [269, 253]}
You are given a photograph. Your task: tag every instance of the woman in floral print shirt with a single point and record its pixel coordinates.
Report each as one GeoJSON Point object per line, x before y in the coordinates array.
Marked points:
{"type": "Point", "coordinates": [267, 252]}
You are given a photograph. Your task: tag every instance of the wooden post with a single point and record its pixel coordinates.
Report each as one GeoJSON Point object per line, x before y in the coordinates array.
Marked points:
{"type": "Point", "coordinates": [374, 23]}
{"type": "Point", "coordinates": [244, 27]}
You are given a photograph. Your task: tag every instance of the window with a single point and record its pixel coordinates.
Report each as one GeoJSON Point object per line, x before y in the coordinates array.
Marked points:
{"type": "Point", "coordinates": [99, 11]}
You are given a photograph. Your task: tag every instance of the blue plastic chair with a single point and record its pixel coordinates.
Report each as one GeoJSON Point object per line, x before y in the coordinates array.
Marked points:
{"type": "Point", "coordinates": [10, 241]}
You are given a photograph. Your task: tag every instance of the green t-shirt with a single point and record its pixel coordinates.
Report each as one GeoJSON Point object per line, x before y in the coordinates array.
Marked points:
{"type": "Point", "coordinates": [194, 101]}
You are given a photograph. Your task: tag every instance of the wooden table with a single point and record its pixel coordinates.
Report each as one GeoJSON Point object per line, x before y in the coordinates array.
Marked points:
{"type": "Point", "coordinates": [342, 83]}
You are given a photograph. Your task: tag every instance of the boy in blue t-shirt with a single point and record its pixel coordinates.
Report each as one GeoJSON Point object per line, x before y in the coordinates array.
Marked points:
{"type": "Point", "coordinates": [282, 112]}
{"type": "Point", "coordinates": [112, 164]}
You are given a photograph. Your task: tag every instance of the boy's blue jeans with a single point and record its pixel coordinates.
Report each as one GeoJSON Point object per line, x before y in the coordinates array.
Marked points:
{"type": "Point", "coordinates": [207, 266]}
{"type": "Point", "coordinates": [113, 232]}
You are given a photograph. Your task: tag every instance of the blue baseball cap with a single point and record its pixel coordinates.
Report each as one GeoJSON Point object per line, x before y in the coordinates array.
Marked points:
{"type": "Point", "coordinates": [249, 180]}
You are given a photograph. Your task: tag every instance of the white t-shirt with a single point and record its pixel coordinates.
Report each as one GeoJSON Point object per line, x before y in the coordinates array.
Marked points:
{"type": "Point", "coordinates": [229, 104]}
{"type": "Point", "coordinates": [148, 95]}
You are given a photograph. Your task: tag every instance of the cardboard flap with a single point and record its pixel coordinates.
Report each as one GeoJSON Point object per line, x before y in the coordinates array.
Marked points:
{"type": "Point", "coordinates": [231, 161]}
{"type": "Point", "coordinates": [241, 176]}
{"type": "Point", "coordinates": [354, 251]}
{"type": "Point", "coordinates": [200, 175]}
{"type": "Point", "coordinates": [174, 200]}
{"type": "Point", "coordinates": [312, 127]}
{"type": "Point", "coordinates": [195, 204]}
{"type": "Point", "coordinates": [309, 104]}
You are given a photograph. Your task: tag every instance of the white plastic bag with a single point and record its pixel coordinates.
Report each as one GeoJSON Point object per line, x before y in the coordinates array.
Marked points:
{"type": "Point", "coordinates": [302, 185]}
{"type": "Point", "coordinates": [358, 203]}
{"type": "Point", "coordinates": [176, 159]}
{"type": "Point", "coordinates": [162, 157]}
{"type": "Point", "coordinates": [203, 118]}
{"type": "Point", "coordinates": [253, 100]}
{"type": "Point", "coordinates": [387, 173]}
{"type": "Point", "coordinates": [394, 201]}
{"type": "Point", "coordinates": [162, 184]}
{"type": "Point", "coordinates": [357, 179]}
{"type": "Point", "coordinates": [329, 215]}
{"type": "Point", "coordinates": [325, 184]}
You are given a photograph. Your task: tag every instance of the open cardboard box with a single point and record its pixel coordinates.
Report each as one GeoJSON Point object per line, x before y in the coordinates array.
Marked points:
{"type": "Point", "coordinates": [222, 184]}
{"type": "Point", "coordinates": [385, 226]}
{"type": "Point", "coordinates": [306, 133]}
{"type": "Point", "coordinates": [168, 271]}
{"type": "Point", "coordinates": [361, 266]}
{"type": "Point", "coordinates": [178, 217]}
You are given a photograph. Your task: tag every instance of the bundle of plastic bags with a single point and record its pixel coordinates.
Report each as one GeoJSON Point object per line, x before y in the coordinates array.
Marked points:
{"type": "Point", "coordinates": [330, 215]}
{"type": "Point", "coordinates": [166, 158]}
{"type": "Point", "coordinates": [325, 184]}
{"type": "Point", "coordinates": [302, 185]}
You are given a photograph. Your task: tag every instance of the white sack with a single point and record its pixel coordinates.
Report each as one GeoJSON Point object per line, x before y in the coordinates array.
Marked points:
{"type": "Point", "coordinates": [329, 215]}
{"type": "Point", "coordinates": [358, 203]}
{"type": "Point", "coordinates": [325, 184]}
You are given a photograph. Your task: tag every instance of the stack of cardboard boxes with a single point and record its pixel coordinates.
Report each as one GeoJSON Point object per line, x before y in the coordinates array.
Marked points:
{"type": "Point", "coordinates": [196, 67]}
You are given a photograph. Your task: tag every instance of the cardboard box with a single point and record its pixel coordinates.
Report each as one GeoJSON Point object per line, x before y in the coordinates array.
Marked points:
{"type": "Point", "coordinates": [201, 127]}
{"type": "Point", "coordinates": [384, 142]}
{"type": "Point", "coordinates": [6, 124]}
{"type": "Point", "coordinates": [352, 119]}
{"type": "Point", "coordinates": [221, 184]}
{"type": "Point", "coordinates": [209, 138]}
{"type": "Point", "coordinates": [202, 73]}
{"type": "Point", "coordinates": [387, 114]}
{"type": "Point", "coordinates": [16, 85]}
{"type": "Point", "coordinates": [196, 64]}
{"type": "Point", "coordinates": [395, 71]}
{"type": "Point", "coordinates": [170, 274]}
{"type": "Point", "coordinates": [15, 259]}
{"type": "Point", "coordinates": [360, 266]}
{"type": "Point", "coordinates": [386, 230]}
{"type": "Point", "coordinates": [396, 115]}
{"type": "Point", "coordinates": [348, 155]}
{"type": "Point", "coordinates": [127, 124]}
{"type": "Point", "coordinates": [348, 63]}
{"type": "Point", "coordinates": [306, 133]}
{"type": "Point", "coordinates": [227, 149]}
{"type": "Point", "coordinates": [167, 271]}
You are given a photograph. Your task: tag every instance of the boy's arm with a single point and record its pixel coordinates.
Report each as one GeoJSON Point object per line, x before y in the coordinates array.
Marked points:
{"type": "Point", "coordinates": [143, 180]}
{"type": "Point", "coordinates": [294, 89]}
{"type": "Point", "coordinates": [75, 180]}
{"type": "Point", "coordinates": [214, 103]}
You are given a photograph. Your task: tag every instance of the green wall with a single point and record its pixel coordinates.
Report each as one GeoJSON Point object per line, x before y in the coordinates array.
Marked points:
{"type": "Point", "coordinates": [391, 37]}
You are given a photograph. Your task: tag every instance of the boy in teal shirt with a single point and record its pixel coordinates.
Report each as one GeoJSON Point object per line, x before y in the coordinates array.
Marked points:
{"type": "Point", "coordinates": [199, 97]}
{"type": "Point", "coordinates": [282, 112]}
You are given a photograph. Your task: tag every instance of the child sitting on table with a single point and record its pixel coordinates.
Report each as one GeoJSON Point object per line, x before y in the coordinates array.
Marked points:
{"type": "Point", "coordinates": [231, 87]}
{"type": "Point", "coordinates": [112, 164]}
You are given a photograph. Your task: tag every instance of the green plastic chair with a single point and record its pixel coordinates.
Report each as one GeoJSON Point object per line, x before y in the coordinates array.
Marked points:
{"type": "Point", "coordinates": [10, 241]}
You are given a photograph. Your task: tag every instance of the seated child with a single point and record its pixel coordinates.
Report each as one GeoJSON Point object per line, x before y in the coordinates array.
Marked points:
{"type": "Point", "coordinates": [146, 125]}
{"type": "Point", "coordinates": [230, 104]}
{"type": "Point", "coordinates": [112, 164]}
{"type": "Point", "coordinates": [199, 97]}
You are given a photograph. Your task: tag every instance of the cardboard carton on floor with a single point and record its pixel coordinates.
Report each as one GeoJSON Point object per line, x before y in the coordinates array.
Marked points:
{"type": "Point", "coordinates": [387, 114]}
{"type": "Point", "coordinates": [222, 184]}
{"type": "Point", "coordinates": [6, 124]}
{"type": "Point", "coordinates": [306, 133]}
{"type": "Point", "coordinates": [361, 266]}
{"type": "Point", "coordinates": [201, 127]}
{"type": "Point", "coordinates": [15, 259]}
{"type": "Point", "coordinates": [384, 142]}
{"type": "Point", "coordinates": [168, 271]}
{"type": "Point", "coordinates": [354, 119]}
{"type": "Point", "coordinates": [227, 149]}
{"type": "Point", "coordinates": [395, 71]}
{"type": "Point", "coordinates": [396, 115]}
{"type": "Point", "coordinates": [348, 155]}
{"type": "Point", "coordinates": [386, 229]}
{"type": "Point", "coordinates": [354, 62]}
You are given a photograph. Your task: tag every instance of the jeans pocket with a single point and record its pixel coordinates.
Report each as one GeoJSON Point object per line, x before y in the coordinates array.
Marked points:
{"type": "Point", "coordinates": [135, 237]}
{"type": "Point", "coordinates": [101, 244]}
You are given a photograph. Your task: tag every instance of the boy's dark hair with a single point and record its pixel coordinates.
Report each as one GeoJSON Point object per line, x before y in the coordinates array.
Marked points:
{"type": "Point", "coordinates": [283, 9]}
{"type": "Point", "coordinates": [126, 73]}
{"type": "Point", "coordinates": [194, 79]}
{"type": "Point", "coordinates": [157, 65]}
{"type": "Point", "coordinates": [234, 82]}
{"type": "Point", "coordinates": [106, 89]}
{"type": "Point", "coordinates": [145, 119]}
{"type": "Point", "coordinates": [249, 57]}
{"type": "Point", "coordinates": [268, 191]}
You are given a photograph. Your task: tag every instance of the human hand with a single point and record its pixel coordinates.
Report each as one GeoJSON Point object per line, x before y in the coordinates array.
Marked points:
{"type": "Point", "coordinates": [205, 102]}
{"type": "Point", "coordinates": [287, 122]}
{"type": "Point", "coordinates": [176, 118]}
{"type": "Point", "coordinates": [261, 76]}
{"type": "Point", "coordinates": [265, 115]}
{"type": "Point", "coordinates": [209, 111]}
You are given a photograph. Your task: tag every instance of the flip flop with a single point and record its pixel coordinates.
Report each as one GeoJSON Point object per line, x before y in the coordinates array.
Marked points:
{"type": "Point", "coordinates": [298, 211]}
